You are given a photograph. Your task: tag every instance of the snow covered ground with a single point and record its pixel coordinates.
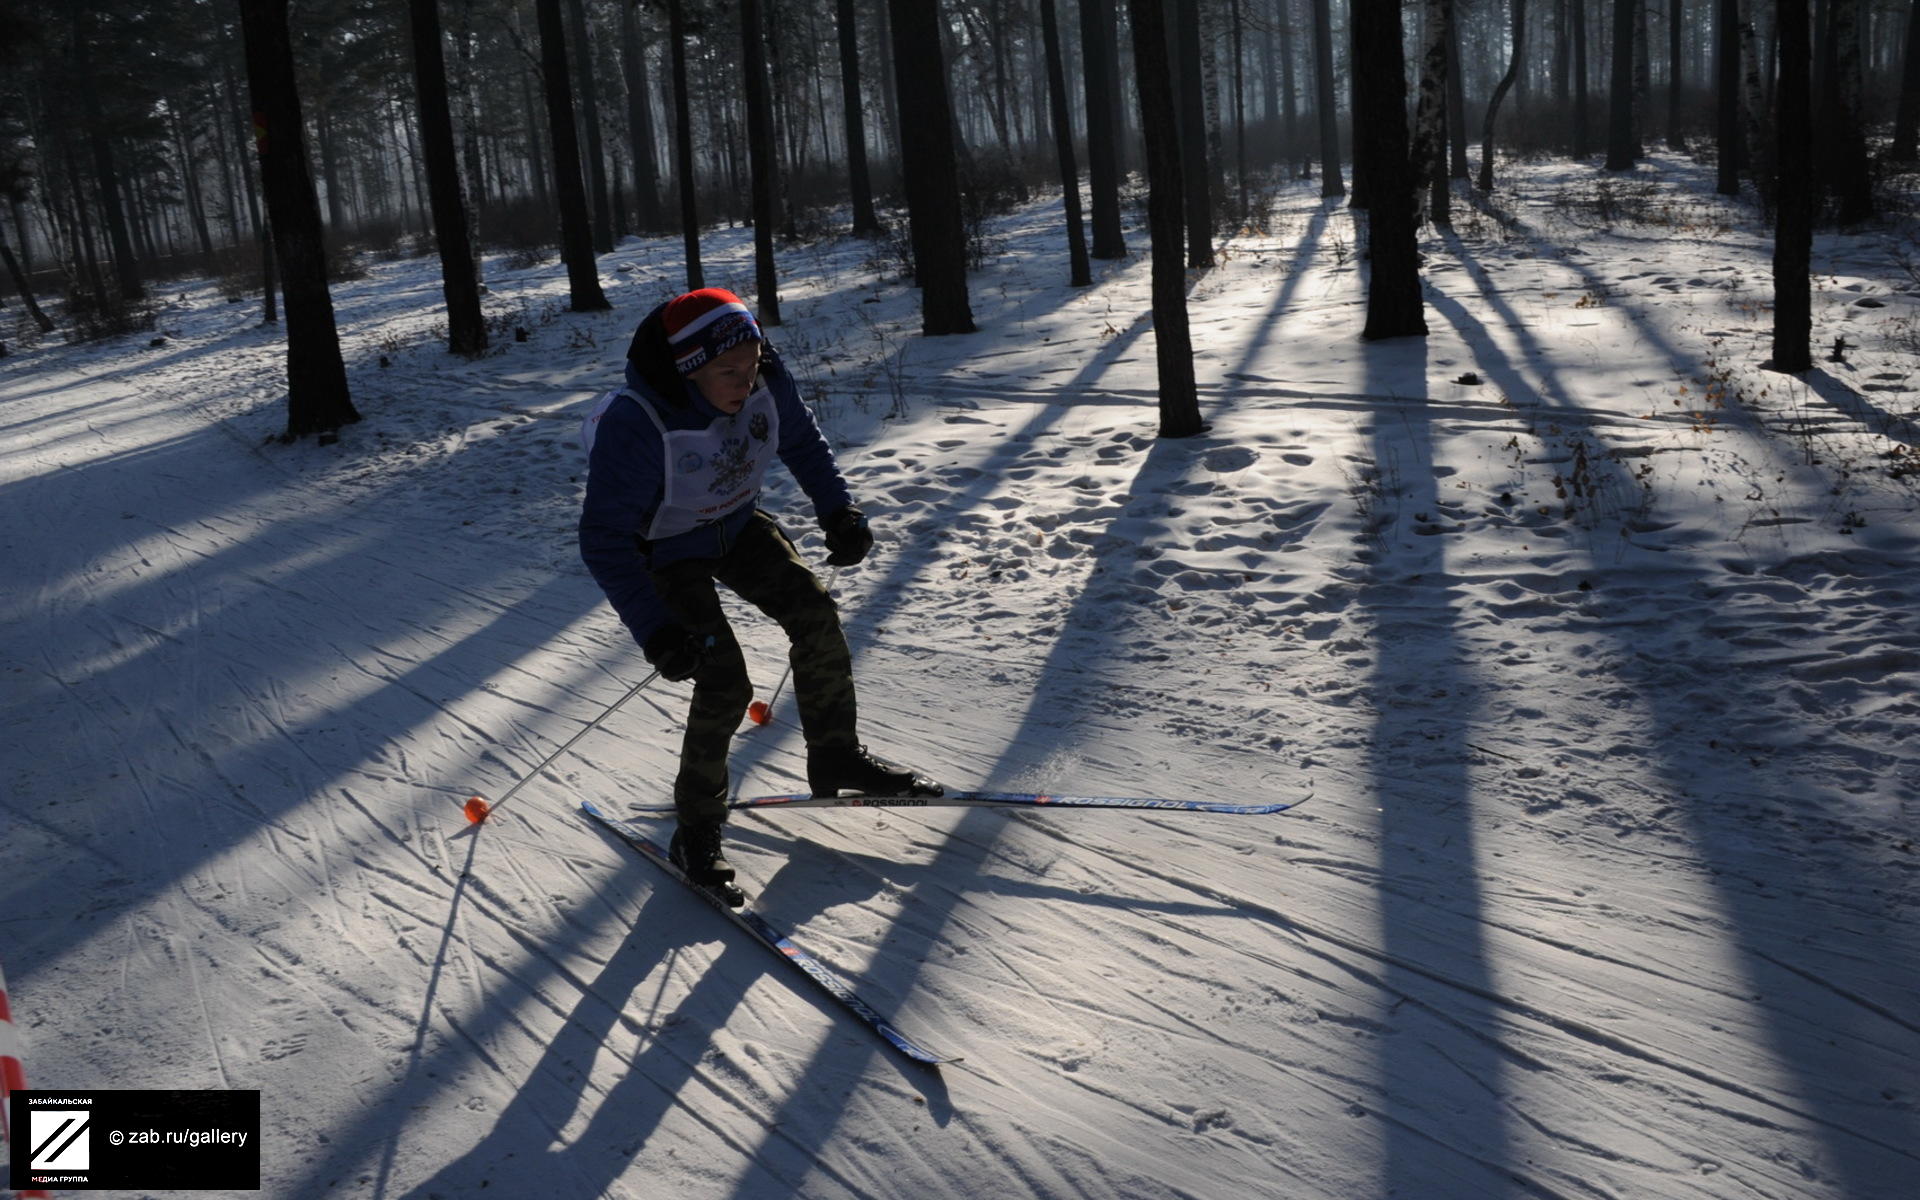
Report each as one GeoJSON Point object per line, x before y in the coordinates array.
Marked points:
{"type": "Point", "coordinates": [1593, 645]}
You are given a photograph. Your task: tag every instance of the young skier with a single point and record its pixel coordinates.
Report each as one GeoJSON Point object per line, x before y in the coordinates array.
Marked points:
{"type": "Point", "coordinates": [675, 464]}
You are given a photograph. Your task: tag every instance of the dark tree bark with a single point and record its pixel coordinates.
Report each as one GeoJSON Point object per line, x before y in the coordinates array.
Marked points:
{"type": "Point", "coordinates": [1675, 77]}
{"type": "Point", "coordinates": [1726, 48]}
{"type": "Point", "coordinates": [1330, 184]}
{"type": "Point", "coordinates": [1238, 42]}
{"type": "Point", "coordinates": [1430, 121]}
{"type": "Point", "coordinates": [126, 266]}
{"type": "Point", "coordinates": [466, 330]}
{"type": "Point", "coordinates": [1458, 167]}
{"type": "Point", "coordinates": [866, 222]}
{"type": "Point", "coordinates": [190, 177]}
{"type": "Point", "coordinates": [1843, 142]}
{"type": "Point", "coordinates": [589, 113]}
{"type": "Point", "coordinates": [1159, 127]}
{"type": "Point", "coordinates": [1359, 197]}
{"type": "Point", "coordinates": [1081, 271]}
{"type": "Point", "coordinates": [646, 173]}
{"type": "Point", "coordinates": [1289, 87]}
{"type": "Point", "coordinates": [1190, 93]}
{"type": "Point", "coordinates": [25, 288]}
{"type": "Point", "coordinates": [1762, 143]}
{"type": "Point", "coordinates": [1500, 93]}
{"type": "Point", "coordinates": [1623, 140]}
{"type": "Point", "coordinates": [1100, 56]}
{"type": "Point", "coordinates": [683, 145]}
{"type": "Point", "coordinates": [1906, 124]}
{"type": "Point", "coordinates": [753, 67]}
{"type": "Point", "coordinates": [317, 397]}
{"type": "Point", "coordinates": [928, 169]}
{"type": "Point", "coordinates": [1394, 306]}
{"type": "Point", "coordinates": [1581, 148]}
{"type": "Point", "coordinates": [1793, 222]}
{"type": "Point", "coordinates": [576, 228]}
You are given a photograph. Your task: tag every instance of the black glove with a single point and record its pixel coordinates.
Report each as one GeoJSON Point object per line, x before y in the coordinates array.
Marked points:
{"type": "Point", "coordinates": [675, 651]}
{"type": "Point", "coordinates": [848, 538]}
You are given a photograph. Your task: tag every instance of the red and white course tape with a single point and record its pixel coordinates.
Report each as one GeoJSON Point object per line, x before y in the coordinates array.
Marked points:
{"type": "Point", "coordinates": [13, 1078]}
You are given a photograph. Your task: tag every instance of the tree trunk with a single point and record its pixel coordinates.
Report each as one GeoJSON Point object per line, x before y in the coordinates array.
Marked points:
{"type": "Point", "coordinates": [1793, 226]}
{"type": "Point", "coordinates": [1622, 139]}
{"type": "Point", "coordinates": [25, 287]}
{"type": "Point", "coordinates": [866, 222]}
{"type": "Point", "coordinates": [1289, 98]}
{"type": "Point", "coordinates": [1100, 56]}
{"type": "Point", "coordinates": [190, 181]}
{"type": "Point", "coordinates": [1359, 197]}
{"type": "Point", "coordinates": [576, 228]}
{"type": "Point", "coordinates": [1458, 166]}
{"type": "Point", "coordinates": [1429, 153]}
{"type": "Point", "coordinates": [126, 266]}
{"type": "Point", "coordinates": [753, 68]}
{"type": "Point", "coordinates": [1674, 76]}
{"type": "Point", "coordinates": [1190, 93]}
{"type": "Point", "coordinates": [466, 330]}
{"type": "Point", "coordinates": [1580, 89]}
{"type": "Point", "coordinates": [1159, 126]}
{"type": "Point", "coordinates": [1906, 124]}
{"type": "Point", "coordinates": [317, 397]}
{"type": "Point", "coordinates": [1843, 139]}
{"type": "Point", "coordinates": [1762, 150]}
{"type": "Point", "coordinates": [1726, 41]}
{"type": "Point", "coordinates": [683, 145]}
{"type": "Point", "coordinates": [1238, 43]}
{"type": "Point", "coordinates": [589, 110]}
{"type": "Point", "coordinates": [1330, 184]}
{"type": "Point", "coordinates": [1500, 93]}
{"type": "Point", "coordinates": [928, 169]}
{"type": "Point", "coordinates": [1080, 269]}
{"type": "Point", "coordinates": [1393, 287]}
{"type": "Point", "coordinates": [646, 173]}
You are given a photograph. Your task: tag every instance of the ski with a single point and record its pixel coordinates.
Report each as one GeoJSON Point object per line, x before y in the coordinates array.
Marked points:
{"type": "Point", "coordinates": [774, 940]}
{"type": "Point", "coordinates": [1001, 800]}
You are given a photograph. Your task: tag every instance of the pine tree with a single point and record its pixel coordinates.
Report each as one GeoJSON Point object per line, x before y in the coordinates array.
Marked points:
{"type": "Point", "coordinates": [1793, 221]}
{"type": "Point", "coordinates": [1623, 140]}
{"type": "Point", "coordinates": [1394, 306]}
{"type": "Point", "coordinates": [1081, 272]}
{"type": "Point", "coordinates": [466, 330]}
{"type": "Point", "coordinates": [317, 397]}
{"type": "Point", "coordinates": [1100, 58]}
{"type": "Point", "coordinates": [576, 228]}
{"type": "Point", "coordinates": [753, 68]}
{"type": "Point", "coordinates": [1159, 127]}
{"type": "Point", "coordinates": [928, 169]}
{"type": "Point", "coordinates": [1324, 92]}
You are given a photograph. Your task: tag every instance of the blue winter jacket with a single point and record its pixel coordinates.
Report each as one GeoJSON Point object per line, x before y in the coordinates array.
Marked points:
{"type": "Point", "coordinates": [626, 478]}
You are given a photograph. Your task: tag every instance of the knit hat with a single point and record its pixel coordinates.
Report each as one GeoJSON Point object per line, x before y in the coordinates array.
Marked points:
{"type": "Point", "coordinates": [703, 325]}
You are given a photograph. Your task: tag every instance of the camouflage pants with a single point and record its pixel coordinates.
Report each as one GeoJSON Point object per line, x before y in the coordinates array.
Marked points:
{"type": "Point", "coordinates": [765, 570]}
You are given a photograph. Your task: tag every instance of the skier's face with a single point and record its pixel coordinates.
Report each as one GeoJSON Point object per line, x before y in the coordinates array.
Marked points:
{"type": "Point", "coordinates": [728, 380]}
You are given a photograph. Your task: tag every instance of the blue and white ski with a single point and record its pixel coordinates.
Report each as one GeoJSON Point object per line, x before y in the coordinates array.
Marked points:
{"type": "Point", "coordinates": [1000, 800]}
{"type": "Point", "coordinates": [774, 940]}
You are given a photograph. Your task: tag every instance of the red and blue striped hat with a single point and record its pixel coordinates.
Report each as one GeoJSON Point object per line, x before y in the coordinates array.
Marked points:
{"type": "Point", "coordinates": [703, 325]}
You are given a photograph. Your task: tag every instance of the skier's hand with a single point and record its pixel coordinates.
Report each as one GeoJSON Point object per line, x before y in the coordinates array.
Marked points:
{"type": "Point", "coordinates": [848, 538]}
{"type": "Point", "coordinates": [675, 652]}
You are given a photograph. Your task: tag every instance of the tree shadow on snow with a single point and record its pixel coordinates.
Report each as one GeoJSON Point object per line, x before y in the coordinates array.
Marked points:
{"type": "Point", "coordinates": [1823, 1012]}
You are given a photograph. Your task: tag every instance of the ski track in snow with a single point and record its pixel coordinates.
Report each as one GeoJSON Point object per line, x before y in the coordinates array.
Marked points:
{"type": "Point", "coordinates": [1592, 645]}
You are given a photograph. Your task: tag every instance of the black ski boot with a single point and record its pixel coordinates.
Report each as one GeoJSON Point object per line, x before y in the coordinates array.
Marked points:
{"type": "Point", "coordinates": [696, 851]}
{"type": "Point", "coordinates": [832, 770]}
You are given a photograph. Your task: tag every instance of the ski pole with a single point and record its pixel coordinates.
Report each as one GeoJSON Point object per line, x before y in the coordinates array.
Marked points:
{"type": "Point", "coordinates": [761, 711]}
{"type": "Point", "coordinates": [478, 810]}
